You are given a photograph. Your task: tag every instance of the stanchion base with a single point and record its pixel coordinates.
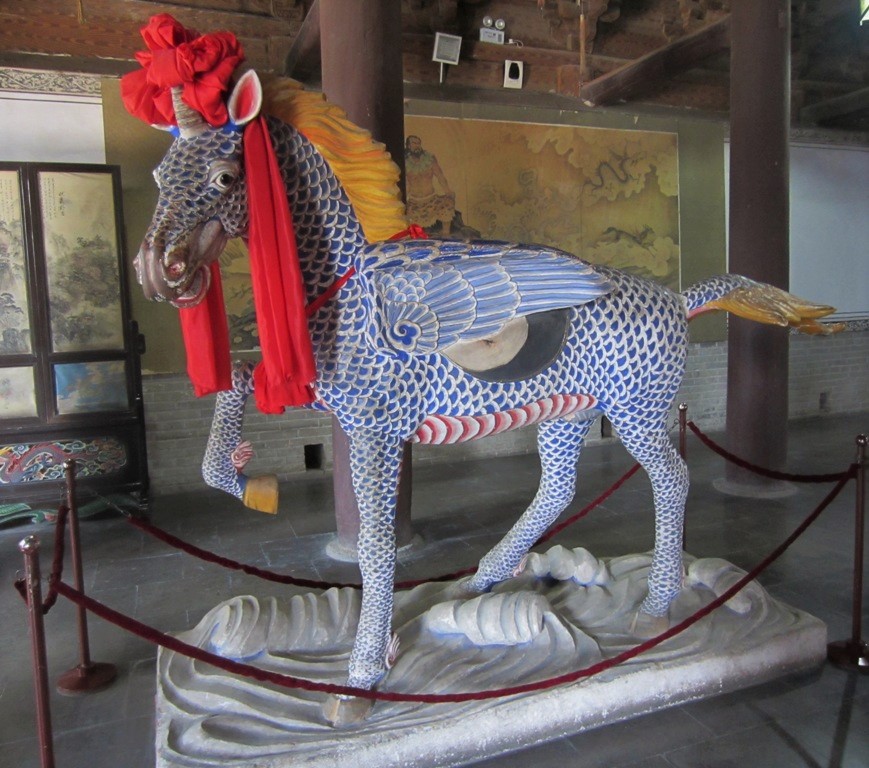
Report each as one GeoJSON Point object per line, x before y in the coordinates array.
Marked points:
{"type": "Point", "coordinates": [848, 654]}
{"type": "Point", "coordinates": [86, 679]}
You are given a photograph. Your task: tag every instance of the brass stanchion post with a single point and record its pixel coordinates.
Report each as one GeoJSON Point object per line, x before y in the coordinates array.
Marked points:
{"type": "Point", "coordinates": [854, 653]}
{"type": "Point", "coordinates": [29, 547]}
{"type": "Point", "coordinates": [88, 676]}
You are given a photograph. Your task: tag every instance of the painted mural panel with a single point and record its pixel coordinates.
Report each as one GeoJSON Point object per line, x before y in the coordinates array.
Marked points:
{"type": "Point", "coordinates": [17, 393]}
{"type": "Point", "coordinates": [88, 387]}
{"type": "Point", "coordinates": [81, 255]}
{"type": "Point", "coordinates": [14, 302]}
{"type": "Point", "coordinates": [610, 196]}
{"type": "Point", "coordinates": [39, 462]}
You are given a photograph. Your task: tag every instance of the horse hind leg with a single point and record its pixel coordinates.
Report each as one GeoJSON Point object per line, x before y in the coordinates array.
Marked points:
{"type": "Point", "coordinates": [226, 454]}
{"type": "Point", "coordinates": [559, 443]}
{"type": "Point", "coordinates": [655, 452]}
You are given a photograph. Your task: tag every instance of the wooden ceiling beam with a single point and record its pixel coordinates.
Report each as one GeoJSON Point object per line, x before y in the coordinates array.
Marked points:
{"type": "Point", "coordinates": [104, 39]}
{"type": "Point", "coordinates": [838, 106]}
{"type": "Point", "coordinates": [303, 60]}
{"type": "Point", "coordinates": [655, 67]}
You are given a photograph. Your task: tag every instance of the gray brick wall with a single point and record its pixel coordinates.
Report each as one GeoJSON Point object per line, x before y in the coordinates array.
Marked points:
{"type": "Point", "coordinates": [827, 375]}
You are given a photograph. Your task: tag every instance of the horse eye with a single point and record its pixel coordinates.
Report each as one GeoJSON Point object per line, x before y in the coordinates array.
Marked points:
{"type": "Point", "coordinates": [224, 180]}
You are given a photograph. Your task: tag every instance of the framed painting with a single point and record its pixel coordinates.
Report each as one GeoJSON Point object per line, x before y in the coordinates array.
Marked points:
{"type": "Point", "coordinates": [70, 373]}
{"type": "Point", "coordinates": [14, 300]}
{"type": "Point", "coordinates": [609, 196]}
{"type": "Point", "coordinates": [89, 387]}
{"type": "Point", "coordinates": [81, 260]}
{"type": "Point", "coordinates": [17, 393]}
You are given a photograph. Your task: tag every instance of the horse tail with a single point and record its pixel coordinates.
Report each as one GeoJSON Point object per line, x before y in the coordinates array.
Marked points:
{"type": "Point", "coordinates": [759, 302]}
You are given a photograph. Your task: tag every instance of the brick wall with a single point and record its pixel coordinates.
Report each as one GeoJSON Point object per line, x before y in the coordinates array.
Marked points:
{"type": "Point", "coordinates": [827, 375]}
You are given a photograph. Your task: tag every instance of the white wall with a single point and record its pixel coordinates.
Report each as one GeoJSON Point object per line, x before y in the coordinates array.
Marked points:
{"type": "Point", "coordinates": [47, 123]}
{"type": "Point", "coordinates": [829, 225]}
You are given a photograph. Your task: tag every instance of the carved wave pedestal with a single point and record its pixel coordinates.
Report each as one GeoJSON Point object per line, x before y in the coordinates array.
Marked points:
{"type": "Point", "coordinates": [566, 611]}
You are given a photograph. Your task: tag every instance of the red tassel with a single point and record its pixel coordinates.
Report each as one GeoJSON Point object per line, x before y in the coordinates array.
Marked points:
{"type": "Point", "coordinates": [206, 339]}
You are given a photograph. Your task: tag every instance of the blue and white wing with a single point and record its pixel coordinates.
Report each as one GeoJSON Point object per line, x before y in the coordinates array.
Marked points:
{"type": "Point", "coordinates": [429, 298]}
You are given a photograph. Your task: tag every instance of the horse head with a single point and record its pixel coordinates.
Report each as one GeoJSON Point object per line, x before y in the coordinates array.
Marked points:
{"type": "Point", "coordinates": [202, 202]}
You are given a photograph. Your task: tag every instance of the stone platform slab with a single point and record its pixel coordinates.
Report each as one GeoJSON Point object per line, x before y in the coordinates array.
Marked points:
{"type": "Point", "coordinates": [566, 611]}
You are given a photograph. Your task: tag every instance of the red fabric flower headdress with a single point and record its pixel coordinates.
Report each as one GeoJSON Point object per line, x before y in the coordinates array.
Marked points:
{"type": "Point", "coordinates": [201, 67]}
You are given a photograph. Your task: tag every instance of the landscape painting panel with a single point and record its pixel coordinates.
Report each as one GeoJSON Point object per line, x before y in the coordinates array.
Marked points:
{"type": "Point", "coordinates": [17, 393]}
{"type": "Point", "coordinates": [238, 297]}
{"type": "Point", "coordinates": [81, 253]}
{"type": "Point", "coordinates": [88, 387]}
{"type": "Point", "coordinates": [14, 305]}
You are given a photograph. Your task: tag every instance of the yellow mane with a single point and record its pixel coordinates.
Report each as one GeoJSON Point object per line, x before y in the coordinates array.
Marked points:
{"type": "Point", "coordinates": [362, 165]}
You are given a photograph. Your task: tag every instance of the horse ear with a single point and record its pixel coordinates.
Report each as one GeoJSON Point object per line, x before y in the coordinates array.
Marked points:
{"type": "Point", "coordinates": [246, 99]}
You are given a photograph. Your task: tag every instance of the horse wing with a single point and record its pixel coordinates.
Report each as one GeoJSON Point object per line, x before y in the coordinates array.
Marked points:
{"type": "Point", "coordinates": [425, 305]}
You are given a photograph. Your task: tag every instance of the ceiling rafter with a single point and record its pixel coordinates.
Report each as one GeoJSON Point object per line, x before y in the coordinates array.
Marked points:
{"type": "Point", "coordinates": [664, 62]}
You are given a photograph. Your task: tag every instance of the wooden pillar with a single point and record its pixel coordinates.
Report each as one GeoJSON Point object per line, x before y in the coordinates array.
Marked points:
{"type": "Point", "coordinates": [757, 370]}
{"type": "Point", "coordinates": [360, 53]}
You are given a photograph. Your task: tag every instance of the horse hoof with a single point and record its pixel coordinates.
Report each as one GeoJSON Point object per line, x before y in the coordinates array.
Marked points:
{"type": "Point", "coordinates": [261, 494]}
{"type": "Point", "coordinates": [346, 711]}
{"type": "Point", "coordinates": [647, 626]}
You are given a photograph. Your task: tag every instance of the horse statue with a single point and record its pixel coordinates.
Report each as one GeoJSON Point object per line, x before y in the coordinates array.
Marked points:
{"type": "Point", "coordinates": [427, 341]}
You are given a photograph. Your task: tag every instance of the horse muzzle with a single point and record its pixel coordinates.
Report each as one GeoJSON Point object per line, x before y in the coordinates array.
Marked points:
{"type": "Point", "coordinates": [180, 275]}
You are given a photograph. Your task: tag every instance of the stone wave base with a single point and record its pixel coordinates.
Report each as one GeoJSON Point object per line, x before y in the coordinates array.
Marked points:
{"type": "Point", "coordinates": [566, 611]}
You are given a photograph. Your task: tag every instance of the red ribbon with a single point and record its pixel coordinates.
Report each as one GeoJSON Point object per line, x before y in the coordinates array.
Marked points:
{"type": "Point", "coordinates": [287, 372]}
{"type": "Point", "coordinates": [206, 339]}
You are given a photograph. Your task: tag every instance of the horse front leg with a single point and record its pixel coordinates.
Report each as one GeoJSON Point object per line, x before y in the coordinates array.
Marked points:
{"type": "Point", "coordinates": [226, 454]}
{"type": "Point", "coordinates": [375, 464]}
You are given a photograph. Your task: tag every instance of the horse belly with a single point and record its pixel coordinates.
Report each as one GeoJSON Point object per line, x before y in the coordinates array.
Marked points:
{"type": "Point", "coordinates": [448, 430]}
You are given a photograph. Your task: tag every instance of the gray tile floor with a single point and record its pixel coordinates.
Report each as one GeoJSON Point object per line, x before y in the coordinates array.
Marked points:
{"type": "Point", "coordinates": [819, 719]}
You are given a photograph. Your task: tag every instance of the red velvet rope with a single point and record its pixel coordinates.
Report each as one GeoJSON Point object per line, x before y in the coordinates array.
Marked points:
{"type": "Point", "coordinates": [56, 573]}
{"type": "Point", "coordinates": [251, 570]}
{"type": "Point", "coordinates": [771, 473]}
{"type": "Point", "coordinates": [585, 510]}
{"type": "Point", "coordinates": [225, 562]}
{"type": "Point", "coordinates": [261, 573]}
{"type": "Point", "coordinates": [287, 681]}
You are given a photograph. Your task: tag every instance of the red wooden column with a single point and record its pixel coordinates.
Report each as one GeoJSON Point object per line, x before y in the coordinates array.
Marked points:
{"type": "Point", "coordinates": [757, 371]}
{"type": "Point", "coordinates": [360, 53]}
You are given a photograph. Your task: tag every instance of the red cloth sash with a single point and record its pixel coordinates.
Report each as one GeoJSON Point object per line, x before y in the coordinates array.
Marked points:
{"type": "Point", "coordinates": [206, 339]}
{"type": "Point", "coordinates": [287, 373]}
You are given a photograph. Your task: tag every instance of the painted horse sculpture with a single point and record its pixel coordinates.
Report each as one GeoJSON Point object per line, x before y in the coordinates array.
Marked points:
{"type": "Point", "coordinates": [434, 341]}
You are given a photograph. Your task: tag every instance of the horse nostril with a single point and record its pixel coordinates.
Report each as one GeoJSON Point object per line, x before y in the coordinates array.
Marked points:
{"type": "Point", "coordinates": [176, 269]}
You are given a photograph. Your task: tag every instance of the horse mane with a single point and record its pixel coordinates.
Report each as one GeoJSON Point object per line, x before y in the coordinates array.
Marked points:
{"type": "Point", "coordinates": [362, 165]}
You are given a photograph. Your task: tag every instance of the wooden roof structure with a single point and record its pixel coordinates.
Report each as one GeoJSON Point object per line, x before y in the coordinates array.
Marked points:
{"type": "Point", "coordinates": [669, 53]}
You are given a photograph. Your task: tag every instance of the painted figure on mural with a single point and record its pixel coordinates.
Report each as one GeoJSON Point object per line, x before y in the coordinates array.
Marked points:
{"type": "Point", "coordinates": [433, 210]}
